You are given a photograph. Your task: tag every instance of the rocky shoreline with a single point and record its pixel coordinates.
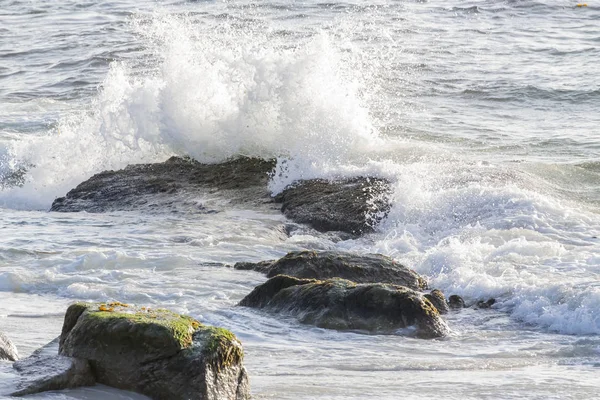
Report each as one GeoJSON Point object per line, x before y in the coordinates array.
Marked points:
{"type": "Point", "coordinates": [168, 356]}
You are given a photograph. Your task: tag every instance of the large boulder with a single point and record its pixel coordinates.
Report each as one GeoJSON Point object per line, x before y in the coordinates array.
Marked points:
{"type": "Point", "coordinates": [8, 351]}
{"type": "Point", "coordinates": [369, 268]}
{"type": "Point", "coordinates": [157, 185]}
{"type": "Point", "coordinates": [155, 352]}
{"type": "Point", "coordinates": [353, 205]}
{"type": "Point", "coordinates": [344, 305]}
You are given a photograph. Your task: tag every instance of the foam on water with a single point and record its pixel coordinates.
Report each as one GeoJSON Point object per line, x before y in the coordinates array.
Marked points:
{"type": "Point", "coordinates": [484, 231]}
{"type": "Point", "coordinates": [217, 88]}
{"type": "Point", "coordinates": [476, 229]}
{"type": "Point", "coordinates": [211, 97]}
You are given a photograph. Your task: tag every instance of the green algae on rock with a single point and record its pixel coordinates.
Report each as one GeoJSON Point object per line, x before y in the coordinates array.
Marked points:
{"type": "Point", "coordinates": [156, 352]}
{"type": "Point", "coordinates": [345, 305]}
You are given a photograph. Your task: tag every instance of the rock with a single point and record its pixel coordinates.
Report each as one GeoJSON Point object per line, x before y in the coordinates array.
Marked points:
{"type": "Point", "coordinates": [40, 373]}
{"type": "Point", "coordinates": [353, 206]}
{"type": "Point", "coordinates": [8, 351]}
{"type": "Point", "coordinates": [344, 305]}
{"type": "Point", "coordinates": [155, 185]}
{"type": "Point", "coordinates": [486, 304]}
{"type": "Point", "coordinates": [456, 302]}
{"type": "Point", "coordinates": [155, 352]}
{"type": "Point", "coordinates": [261, 266]}
{"type": "Point", "coordinates": [370, 268]}
{"type": "Point", "coordinates": [437, 298]}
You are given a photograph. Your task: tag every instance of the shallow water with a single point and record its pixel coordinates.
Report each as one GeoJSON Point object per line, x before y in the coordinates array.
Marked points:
{"type": "Point", "coordinates": [482, 114]}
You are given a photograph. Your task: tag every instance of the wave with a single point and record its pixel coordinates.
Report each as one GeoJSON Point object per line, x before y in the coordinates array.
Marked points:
{"type": "Point", "coordinates": [210, 96]}
{"type": "Point", "coordinates": [221, 88]}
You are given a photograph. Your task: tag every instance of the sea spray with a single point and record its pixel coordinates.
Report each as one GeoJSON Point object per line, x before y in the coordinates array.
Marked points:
{"type": "Point", "coordinates": [211, 98]}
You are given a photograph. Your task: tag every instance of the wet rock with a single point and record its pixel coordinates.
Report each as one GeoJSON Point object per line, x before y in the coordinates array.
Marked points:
{"type": "Point", "coordinates": [8, 351]}
{"type": "Point", "coordinates": [437, 298]}
{"type": "Point", "coordinates": [456, 302]}
{"type": "Point", "coordinates": [261, 266]}
{"type": "Point", "coordinates": [155, 352]}
{"type": "Point", "coordinates": [370, 268]}
{"type": "Point", "coordinates": [344, 305]}
{"type": "Point", "coordinates": [41, 372]}
{"type": "Point", "coordinates": [353, 206]}
{"type": "Point", "coordinates": [486, 304]}
{"type": "Point", "coordinates": [155, 185]}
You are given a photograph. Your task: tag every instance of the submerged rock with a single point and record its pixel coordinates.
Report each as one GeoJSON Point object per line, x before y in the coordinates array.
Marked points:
{"type": "Point", "coordinates": [370, 268]}
{"type": "Point", "coordinates": [344, 305]}
{"type": "Point", "coordinates": [8, 351]}
{"type": "Point", "coordinates": [437, 298]}
{"type": "Point", "coordinates": [155, 352]}
{"type": "Point", "coordinates": [456, 302]}
{"type": "Point", "coordinates": [133, 186]}
{"type": "Point", "coordinates": [486, 304]}
{"type": "Point", "coordinates": [353, 206]}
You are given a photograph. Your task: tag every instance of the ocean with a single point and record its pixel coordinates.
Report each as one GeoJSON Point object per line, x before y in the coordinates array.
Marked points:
{"type": "Point", "coordinates": [484, 115]}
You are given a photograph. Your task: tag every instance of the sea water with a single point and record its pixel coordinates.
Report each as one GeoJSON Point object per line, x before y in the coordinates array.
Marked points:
{"type": "Point", "coordinates": [484, 116]}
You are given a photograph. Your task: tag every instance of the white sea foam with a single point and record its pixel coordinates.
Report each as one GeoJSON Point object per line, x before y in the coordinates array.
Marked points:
{"type": "Point", "coordinates": [475, 228]}
{"type": "Point", "coordinates": [211, 97]}
{"type": "Point", "coordinates": [485, 231]}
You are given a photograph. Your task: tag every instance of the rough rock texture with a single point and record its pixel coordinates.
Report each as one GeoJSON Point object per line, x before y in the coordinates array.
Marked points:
{"type": "Point", "coordinates": [370, 268]}
{"type": "Point", "coordinates": [8, 351]}
{"type": "Point", "coordinates": [142, 184]}
{"type": "Point", "coordinates": [345, 305]}
{"type": "Point", "coordinates": [155, 352]}
{"type": "Point", "coordinates": [437, 298]}
{"type": "Point", "coordinates": [352, 205]}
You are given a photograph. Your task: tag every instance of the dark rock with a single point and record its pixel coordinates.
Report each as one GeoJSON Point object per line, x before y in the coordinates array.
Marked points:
{"type": "Point", "coordinates": [486, 304]}
{"type": "Point", "coordinates": [437, 298]}
{"type": "Point", "coordinates": [370, 268]}
{"type": "Point", "coordinates": [353, 206]}
{"type": "Point", "coordinates": [456, 302]}
{"type": "Point", "coordinates": [344, 305]}
{"type": "Point", "coordinates": [156, 184]}
{"type": "Point", "coordinates": [155, 352]}
{"type": "Point", "coordinates": [8, 351]}
{"type": "Point", "coordinates": [261, 266]}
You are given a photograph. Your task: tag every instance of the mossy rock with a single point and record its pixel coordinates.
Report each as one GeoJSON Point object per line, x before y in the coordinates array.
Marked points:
{"type": "Point", "coordinates": [345, 305]}
{"type": "Point", "coordinates": [156, 352]}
